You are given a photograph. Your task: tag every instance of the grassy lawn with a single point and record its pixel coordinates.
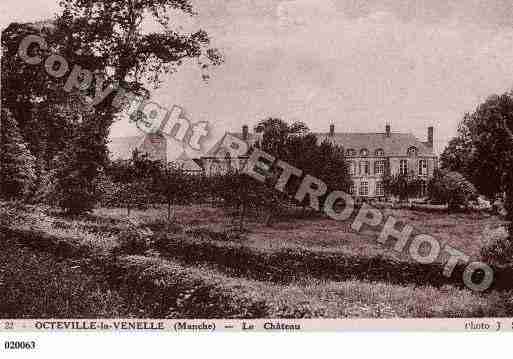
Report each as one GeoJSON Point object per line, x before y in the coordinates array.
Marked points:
{"type": "Point", "coordinates": [462, 231]}
{"type": "Point", "coordinates": [296, 268]}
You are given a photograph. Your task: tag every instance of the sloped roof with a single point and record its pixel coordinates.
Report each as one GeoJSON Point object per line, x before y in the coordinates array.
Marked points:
{"type": "Point", "coordinates": [187, 163]}
{"type": "Point", "coordinates": [251, 140]}
{"type": "Point", "coordinates": [395, 145]}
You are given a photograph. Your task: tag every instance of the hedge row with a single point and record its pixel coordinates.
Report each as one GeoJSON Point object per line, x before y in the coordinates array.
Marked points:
{"type": "Point", "coordinates": [291, 264]}
{"type": "Point", "coordinates": [173, 290]}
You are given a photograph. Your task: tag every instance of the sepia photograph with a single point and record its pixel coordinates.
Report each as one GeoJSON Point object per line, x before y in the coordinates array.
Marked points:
{"type": "Point", "coordinates": [256, 165]}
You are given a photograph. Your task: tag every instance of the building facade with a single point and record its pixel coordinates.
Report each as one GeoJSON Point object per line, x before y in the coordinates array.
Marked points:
{"type": "Point", "coordinates": [216, 161]}
{"type": "Point", "coordinates": [371, 156]}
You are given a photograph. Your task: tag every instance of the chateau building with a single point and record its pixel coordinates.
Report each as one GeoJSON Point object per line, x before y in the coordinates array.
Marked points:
{"type": "Point", "coordinates": [369, 156]}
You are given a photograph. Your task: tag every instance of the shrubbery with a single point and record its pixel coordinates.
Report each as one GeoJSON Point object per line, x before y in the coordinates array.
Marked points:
{"type": "Point", "coordinates": [133, 238]}
{"type": "Point", "coordinates": [451, 188]}
{"type": "Point", "coordinates": [403, 186]}
{"type": "Point", "coordinates": [499, 251]}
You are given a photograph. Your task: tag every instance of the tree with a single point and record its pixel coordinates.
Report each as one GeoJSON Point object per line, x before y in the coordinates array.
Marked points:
{"type": "Point", "coordinates": [78, 167]}
{"type": "Point", "coordinates": [241, 193]}
{"type": "Point", "coordinates": [331, 166]}
{"type": "Point", "coordinates": [175, 186]}
{"type": "Point", "coordinates": [17, 164]}
{"type": "Point", "coordinates": [403, 186]}
{"type": "Point", "coordinates": [48, 116]}
{"type": "Point", "coordinates": [277, 136]}
{"type": "Point", "coordinates": [294, 144]}
{"type": "Point", "coordinates": [451, 188]}
{"type": "Point", "coordinates": [107, 37]}
{"type": "Point", "coordinates": [486, 155]}
{"type": "Point", "coordinates": [137, 181]}
{"type": "Point", "coordinates": [457, 156]}
{"type": "Point", "coordinates": [396, 185]}
{"type": "Point", "coordinates": [482, 151]}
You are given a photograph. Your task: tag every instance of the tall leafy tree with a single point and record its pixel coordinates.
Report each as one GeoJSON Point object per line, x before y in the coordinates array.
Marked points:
{"type": "Point", "coordinates": [482, 151]}
{"type": "Point", "coordinates": [78, 167]}
{"type": "Point", "coordinates": [296, 145]}
{"type": "Point", "coordinates": [485, 153]}
{"type": "Point", "coordinates": [277, 134]}
{"type": "Point", "coordinates": [46, 114]}
{"type": "Point", "coordinates": [457, 156]}
{"type": "Point", "coordinates": [107, 37]}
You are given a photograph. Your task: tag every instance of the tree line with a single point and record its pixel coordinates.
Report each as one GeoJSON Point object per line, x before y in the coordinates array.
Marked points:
{"type": "Point", "coordinates": [141, 181]}
{"type": "Point", "coordinates": [56, 141]}
{"type": "Point", "coordinates": [53, 143]}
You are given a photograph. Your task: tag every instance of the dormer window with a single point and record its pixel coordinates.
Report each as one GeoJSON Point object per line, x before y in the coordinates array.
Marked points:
{"type": "Point", "coordinates": [412, 151]}
{"type": "Point", "coordinates": [364, 152]}
{"type": "Point", "coordinates": [350, 152]}
{"type": "Point", "coordinates": [379, 152]}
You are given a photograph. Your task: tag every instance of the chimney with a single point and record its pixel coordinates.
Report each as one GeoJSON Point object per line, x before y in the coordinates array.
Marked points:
{"type": "Point", "coordinates": [387, 130]}
{"type": "Point", "coordinates": [245, 131]}
{"type": "Point", "coordinates": [430, 136]}
{"type": "Point", "coordinates": [332, 130]}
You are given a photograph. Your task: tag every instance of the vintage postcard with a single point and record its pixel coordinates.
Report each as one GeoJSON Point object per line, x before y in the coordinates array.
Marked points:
{"type": "Point", "coordinates": [256, 166]}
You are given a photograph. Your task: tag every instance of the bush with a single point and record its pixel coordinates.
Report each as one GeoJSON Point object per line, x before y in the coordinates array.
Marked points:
{"type": "Point", "coordinates": [403, 186]}
{"type": "Point", "coordinates": [451, 188]}
{"type": "Point", "coordinates": [75, 184]}
{"type": "Point", "coordinates": [499, 249]}
{"type": "Point", "coordinates": [133, 238]}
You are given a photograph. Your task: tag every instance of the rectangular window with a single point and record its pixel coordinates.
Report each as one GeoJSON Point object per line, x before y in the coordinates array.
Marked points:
{"type": "Point", "coordinates": [364, 168]}
{"type": "Point", "coordinates": [351, 189]}
{"type": "Point", "coordinates": [403, 167]}
{"type": "Point", "coordinates": [379, 167]}
{"type": "Point", "coordinates": [364, 188]}
{"type": "Point", "coordinates": [423, 168]}
{"type": "Point", "coordinates": [379, 189]}
{"type": "Point", "coordinates": [352, 169]}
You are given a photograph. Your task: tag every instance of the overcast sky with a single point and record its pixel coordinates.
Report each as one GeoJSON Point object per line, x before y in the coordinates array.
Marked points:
{"type": "Point", "coordinates": [355, 63]}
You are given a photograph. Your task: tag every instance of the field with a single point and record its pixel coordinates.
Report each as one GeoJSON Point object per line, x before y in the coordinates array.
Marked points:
{"type": "Point", "coordinates": [301, 266]}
